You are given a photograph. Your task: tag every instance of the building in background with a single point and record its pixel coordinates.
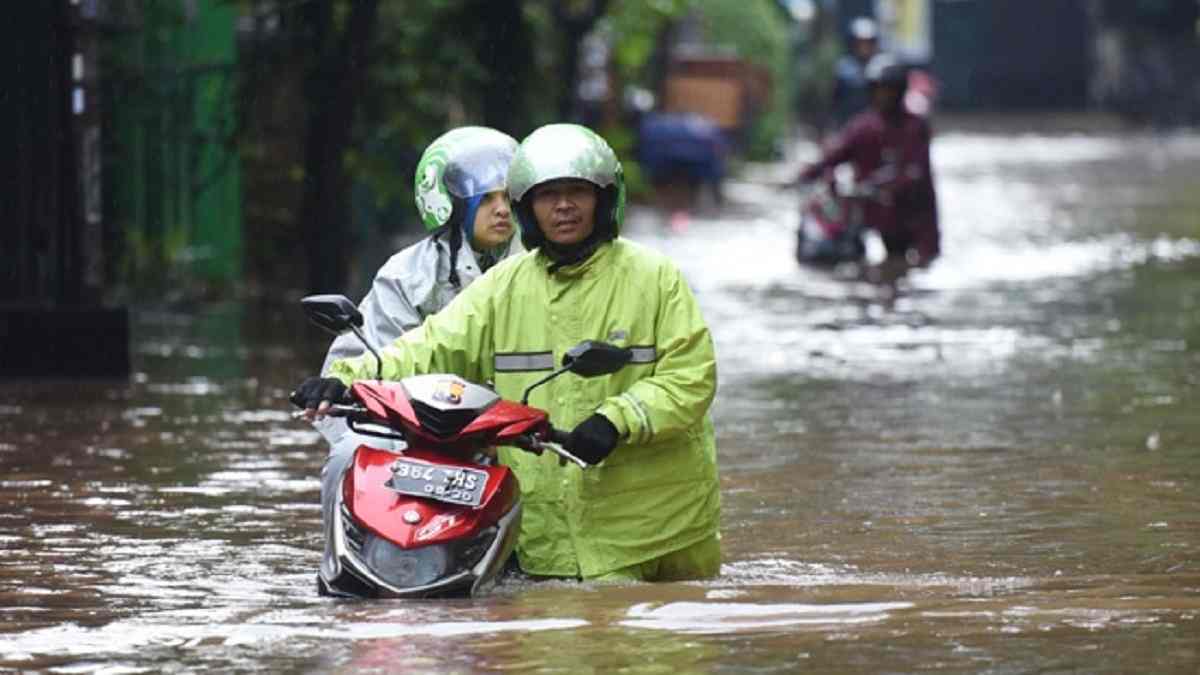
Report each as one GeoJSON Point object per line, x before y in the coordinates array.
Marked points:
{"type": "Point", "coordinates": [176, 202]}
{"type": "Point", "coordinates": [990, 55]}
{"type": "Point", "coordinates": [54, 260]}
{"type": "Point", "coordinates": [1139, 58]}
{"type": "Point", "coordinates": [122, 172]}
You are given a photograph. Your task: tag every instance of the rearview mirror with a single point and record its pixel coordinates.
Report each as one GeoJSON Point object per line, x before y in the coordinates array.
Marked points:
{"type": "Point", "coordinates": [587, 359]}
{"type": "Point", "coordinates": [590, 358]}
{"type": "Point", "coordinates": [334, 313]}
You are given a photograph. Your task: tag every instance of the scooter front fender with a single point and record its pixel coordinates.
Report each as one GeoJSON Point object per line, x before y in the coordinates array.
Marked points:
{"type": "Point", "coordinates": [353, 577]}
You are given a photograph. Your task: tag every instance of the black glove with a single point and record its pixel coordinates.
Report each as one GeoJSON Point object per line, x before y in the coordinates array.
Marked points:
{"type": "Point", "coordinates": [313, 390]}
{"type": "Point", "coordinates": [593, 440]}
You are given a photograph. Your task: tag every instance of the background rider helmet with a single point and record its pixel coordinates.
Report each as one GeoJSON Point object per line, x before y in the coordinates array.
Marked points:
{"type": "Point", "coordinates": [864, 37]}
{"type": "Point", "coordinates": [888, 78]}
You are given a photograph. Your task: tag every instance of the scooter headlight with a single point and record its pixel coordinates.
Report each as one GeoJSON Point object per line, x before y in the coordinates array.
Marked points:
{"type": "Point", "coordinates": [406, 568]}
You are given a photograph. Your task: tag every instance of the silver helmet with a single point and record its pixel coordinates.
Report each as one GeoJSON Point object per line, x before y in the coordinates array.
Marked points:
{"type": "Point", "coordinates": [461, 163]}
{"type": "Point", "coordinates": [558, 151]}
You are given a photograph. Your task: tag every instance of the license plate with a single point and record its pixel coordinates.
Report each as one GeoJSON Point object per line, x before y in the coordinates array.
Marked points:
{"type": "Point", "coordinates": [451, 484]}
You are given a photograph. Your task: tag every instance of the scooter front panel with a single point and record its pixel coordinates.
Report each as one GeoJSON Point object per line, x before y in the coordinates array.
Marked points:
{"type": "Point", "coordinates": [387, 401]}
{"type": "Point", "coordinates": [410, 521]}
{"type": "Point", "coordinates": [506, 420]}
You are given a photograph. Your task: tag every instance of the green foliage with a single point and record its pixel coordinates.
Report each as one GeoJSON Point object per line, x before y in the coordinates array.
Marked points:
{"type": "Point", "coordinates": [439, 64]}
{"type": "Point", "coordinates": [757, 31]}
{"type": "Point", "coordinates": [635, 26]}
{"type": "Point", "coordinates": [153, 261]}
{"type": "Point", "coordinates": [621, 139]}
{"type": "Point", "coordinates": [814, 80]}
{"type": "Point", "coordinates": [171, 178]}
{"type": "Point", "coordinates": [430, 73]}
{"type": "Point", "coordinates": [417, 80]}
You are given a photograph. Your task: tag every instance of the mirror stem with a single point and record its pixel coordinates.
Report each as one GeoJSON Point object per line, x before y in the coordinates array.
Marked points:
{"type": "Point", "coordinates": [378, 361]}
{"type": "Point", "coordinates": [544, 380]}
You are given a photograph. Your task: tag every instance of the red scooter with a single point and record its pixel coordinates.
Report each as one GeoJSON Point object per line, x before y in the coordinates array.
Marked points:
{"type": "Point", "coordinates": [832, 224]}
{"type": "Point", "coordinates": [440, 517]}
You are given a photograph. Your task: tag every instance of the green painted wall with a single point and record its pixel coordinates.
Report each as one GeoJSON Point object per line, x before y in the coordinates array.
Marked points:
{"type": "Point", "coordinates": [172, 168]}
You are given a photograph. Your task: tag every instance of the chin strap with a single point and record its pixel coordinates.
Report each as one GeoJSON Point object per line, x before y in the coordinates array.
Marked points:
{"type": "Point", "coordinates": [451, 235]}
{"type": "Point", "coordinates": [463, 230]}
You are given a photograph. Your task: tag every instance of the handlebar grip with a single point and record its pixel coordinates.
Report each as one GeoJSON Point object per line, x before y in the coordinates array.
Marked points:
{"type": "Point", "coordinates": [558, 436]}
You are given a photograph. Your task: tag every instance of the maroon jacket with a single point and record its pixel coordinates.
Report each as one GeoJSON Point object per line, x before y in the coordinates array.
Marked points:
{"type": "Point", "coordinates": [893, 154]}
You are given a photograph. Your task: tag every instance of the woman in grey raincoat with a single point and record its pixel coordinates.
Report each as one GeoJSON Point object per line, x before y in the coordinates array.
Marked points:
{"type": "Point", "coordinates": [461, 191]}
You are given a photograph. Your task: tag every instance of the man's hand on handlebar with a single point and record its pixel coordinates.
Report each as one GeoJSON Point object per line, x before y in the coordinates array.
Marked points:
{"type": "Point", "coordinates": [594, 439]}
{"type": "Point", "coordinates": [555, 441]}
{"type": "Point", "coordinates": [587, 445]}
{"type": "Point", "coordinates": [317, 395]}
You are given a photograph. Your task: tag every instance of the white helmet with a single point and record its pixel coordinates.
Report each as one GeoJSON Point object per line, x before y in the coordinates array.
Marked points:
{"type": "Point", "coordinates": [864, 28]}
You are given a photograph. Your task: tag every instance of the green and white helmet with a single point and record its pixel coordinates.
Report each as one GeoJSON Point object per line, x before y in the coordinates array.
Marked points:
{"type": "Point", "coordinates": [558, 151]}
{"type": "Point", "coordinates": [460, 164]}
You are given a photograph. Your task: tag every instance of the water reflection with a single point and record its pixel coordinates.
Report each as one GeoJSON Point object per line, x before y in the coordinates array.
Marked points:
{"type": "Point", "coordinates": [997, 473]}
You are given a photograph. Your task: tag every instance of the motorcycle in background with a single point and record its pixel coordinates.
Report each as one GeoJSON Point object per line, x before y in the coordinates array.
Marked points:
{"type": "Point", "coordinates": [832, 221]}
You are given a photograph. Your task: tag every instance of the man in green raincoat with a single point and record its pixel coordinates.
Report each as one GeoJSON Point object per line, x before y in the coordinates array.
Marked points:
{"type": "Point", "coordinates": [648, 508]}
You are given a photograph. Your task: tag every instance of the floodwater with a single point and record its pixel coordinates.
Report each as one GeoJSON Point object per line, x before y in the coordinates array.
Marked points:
{"type": "Point", "coordinates": [998, 473]}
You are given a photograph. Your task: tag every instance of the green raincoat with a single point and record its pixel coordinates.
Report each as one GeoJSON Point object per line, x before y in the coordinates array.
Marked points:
{"type": "Point", "coordinates": [657, 492]}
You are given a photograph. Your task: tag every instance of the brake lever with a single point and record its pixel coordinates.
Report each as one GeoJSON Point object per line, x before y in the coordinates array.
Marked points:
{"type": "Point", "coordinates": [335, 410]}
{"type": "Point", "coordinates": [564, 456]}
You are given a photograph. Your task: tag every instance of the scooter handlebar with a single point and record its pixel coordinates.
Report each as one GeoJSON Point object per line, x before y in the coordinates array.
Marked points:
{"type": "Point", "coordinates": [558, 436]}
{"type": "Point", "coordinates": [335, 410]}
{"type": "Point", "coordinates": [863, 191]}
{"type": "Point", "coordinates": [553, 440]}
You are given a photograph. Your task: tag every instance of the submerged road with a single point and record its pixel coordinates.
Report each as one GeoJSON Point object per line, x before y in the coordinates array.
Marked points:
{"type": "Point", "coordinates": [1000, 472]}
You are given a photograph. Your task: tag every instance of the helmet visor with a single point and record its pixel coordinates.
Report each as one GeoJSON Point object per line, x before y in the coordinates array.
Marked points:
{"type": "Point", "coordinates": [479, 170]}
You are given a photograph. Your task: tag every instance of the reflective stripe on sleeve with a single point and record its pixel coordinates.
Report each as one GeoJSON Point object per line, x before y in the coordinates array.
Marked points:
{"type": "Point", "coordinates": [647, 428]}
{"type": "Point", "coordinates": [643, 354]}
{"type": "Point", "coordinates": [516, 362]}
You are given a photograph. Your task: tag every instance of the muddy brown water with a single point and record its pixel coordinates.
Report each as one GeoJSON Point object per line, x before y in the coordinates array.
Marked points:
{"type": "Point", "coordinates": [999, 473]}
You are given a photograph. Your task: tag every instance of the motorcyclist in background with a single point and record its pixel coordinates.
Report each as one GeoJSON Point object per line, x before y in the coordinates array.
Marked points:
{"type": "Point", "coordinates": [649, 507]}
{"type": "Point", "coordinates": [851, 92]}
{"type": "Point", "coordinates": [461, 195]}
{"type": "Point", "coordinates": [889, 150]}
